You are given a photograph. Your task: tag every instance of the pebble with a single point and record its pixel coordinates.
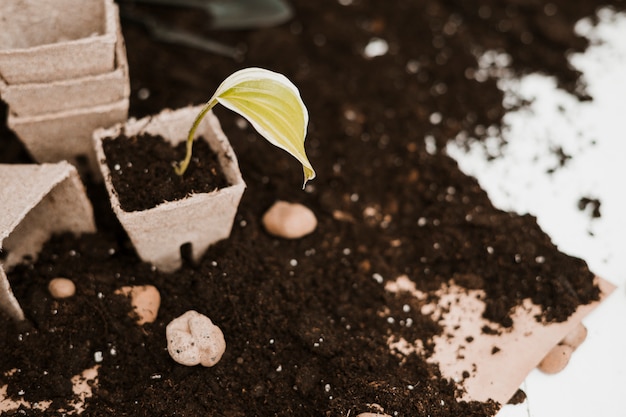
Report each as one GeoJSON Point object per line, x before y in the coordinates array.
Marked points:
{"type": "Point", "coordinates": [556, 360]}
{"type": "Point", "coordinates": [145, 300]}
{"type": "Point", "coordinates": [380, 411]}
{"type": "Point", "coordinates": [61, 288]}
{"type": "Point", "coordinates": [289, 220]}
{"type": "Point", "coordinates": [193, 339]}
{"type": "Point", "coordinates": [576, 337]}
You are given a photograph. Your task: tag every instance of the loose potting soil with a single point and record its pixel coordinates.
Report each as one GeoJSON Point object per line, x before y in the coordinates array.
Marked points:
{"type": "Point", "coordinates": [142, 174]}
{"type": "Point", "coordinates": [307, 321]}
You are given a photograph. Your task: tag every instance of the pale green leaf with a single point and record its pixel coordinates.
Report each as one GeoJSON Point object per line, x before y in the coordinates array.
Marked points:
{"type": "Point", "coordinates": [273, 106]}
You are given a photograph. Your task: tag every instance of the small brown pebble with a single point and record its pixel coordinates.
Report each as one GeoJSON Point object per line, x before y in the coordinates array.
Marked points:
{"type": "Point", "coordinates": [145, 300]}
{"type": "Point", "coordinates": [556, 360]}
{"type": "Point", "coordinates": [61, 288]}
{"type": "Point", "coordinates": [575, 337]}
{"type": "Point", "coordinates": [289, 220]}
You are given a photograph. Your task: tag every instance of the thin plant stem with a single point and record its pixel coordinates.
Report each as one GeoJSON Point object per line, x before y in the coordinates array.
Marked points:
{"type": "Point", "coordinates": [181, 167]}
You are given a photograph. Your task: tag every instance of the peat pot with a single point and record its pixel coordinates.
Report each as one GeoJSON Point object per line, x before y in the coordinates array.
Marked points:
{"type": "Point", "coordinates": [50, 40]}
{"type": "Point", "coordinates": [198, 220]}
{"type": "Point", "coordinates": [37, 201]}
{"type": "Point", "coordinates": [35, 99]}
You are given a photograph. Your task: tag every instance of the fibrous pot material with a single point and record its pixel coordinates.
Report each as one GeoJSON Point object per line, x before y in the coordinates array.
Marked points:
{"type": "Point", "coordinates": [49, 40]}
{"type": "Point", "coordinates": [37, 201]}
{"type": "Point", "coordinates": [200, 219]}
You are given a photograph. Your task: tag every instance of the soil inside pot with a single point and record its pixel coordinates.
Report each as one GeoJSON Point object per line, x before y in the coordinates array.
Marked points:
{"type": "Point", "coordinates": [143, 175]}
{"type": "Point", "coordinates": [307, 322]}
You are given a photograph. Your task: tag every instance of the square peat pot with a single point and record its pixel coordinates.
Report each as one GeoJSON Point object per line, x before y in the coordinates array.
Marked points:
{"type": "Point", "coordinates": [200, 219]}
{"type": "Point", "coordinates": [37, 201]}
{"type": "Point", "coordinates": [49, 40]}
{"type": "Point", "coordinates": [67, 135]}
{"type": "Point", "coordinates": [35, 99]}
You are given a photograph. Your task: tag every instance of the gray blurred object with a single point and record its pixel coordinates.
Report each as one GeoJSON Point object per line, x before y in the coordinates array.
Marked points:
{"type": "Point", "coordinates": [222, 14]}
{"type": "Point", "coordinates": [236, 14]}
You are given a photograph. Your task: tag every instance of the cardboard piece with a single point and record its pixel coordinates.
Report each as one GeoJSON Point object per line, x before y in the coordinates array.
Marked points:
{"type": "Point", "coordinates": [8, 302]}
{"type": "Point", "coordinates": [67, 135]}
{"type": "Point", "coordinates": [489, 365]}
{"type": "Point", "coordinates": [57, 96]}
{"type": "Point", "coordinates": [200, 219]}
{"type": "Point", "coordinates": [49, 40]}
{"type": "Point", "coordinates": [82, 386]}
{"type": "Point", "coordinates": [37, 201]}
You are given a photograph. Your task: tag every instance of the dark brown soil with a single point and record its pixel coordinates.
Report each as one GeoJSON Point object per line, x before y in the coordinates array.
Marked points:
{"type": "Point", "coordinates": [143, 176]}
{"type": "Point", "coordinates": [302, 319]}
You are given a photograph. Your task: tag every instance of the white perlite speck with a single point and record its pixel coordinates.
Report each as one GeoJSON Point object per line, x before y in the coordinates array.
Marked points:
{"type": "Point", "coordinates": [193, 339]}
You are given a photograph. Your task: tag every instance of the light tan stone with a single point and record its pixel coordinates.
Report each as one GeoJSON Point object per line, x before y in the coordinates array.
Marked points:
{"type": "Point", "coordinates": [556, 360]}
{"type": "Point", "coordinates": [289, 220]}
{"type": "Point", "coordinates": [61, 287]}
{"type": "Point", "coordinates": [193, 339]}
{"type": "Point", "coordinates": [145, 300]}
{"type": "Point", "coordinates": [576, 337]}
{"type": "Point", "coordinates": [373, 415]}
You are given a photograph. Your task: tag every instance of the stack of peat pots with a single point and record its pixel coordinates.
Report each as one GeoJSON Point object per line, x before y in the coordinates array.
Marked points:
{"type": "Point", "coordinates": [63, 73]}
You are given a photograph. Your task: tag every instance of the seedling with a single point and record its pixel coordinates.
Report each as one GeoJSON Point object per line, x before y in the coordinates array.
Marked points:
{"type": "Point", "coordinates": [272, 105]}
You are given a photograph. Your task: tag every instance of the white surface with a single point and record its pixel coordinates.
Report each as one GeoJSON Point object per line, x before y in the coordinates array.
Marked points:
{"type": "Point", "coordinates": [593, 134]}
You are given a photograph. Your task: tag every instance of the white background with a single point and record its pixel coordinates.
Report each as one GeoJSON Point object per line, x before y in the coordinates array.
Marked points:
{"type": "Point", "coordinates": [594, 135]}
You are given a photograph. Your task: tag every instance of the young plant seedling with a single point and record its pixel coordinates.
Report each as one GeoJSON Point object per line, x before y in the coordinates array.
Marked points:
{"type": "Point", "coordinates": [271, 103]}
